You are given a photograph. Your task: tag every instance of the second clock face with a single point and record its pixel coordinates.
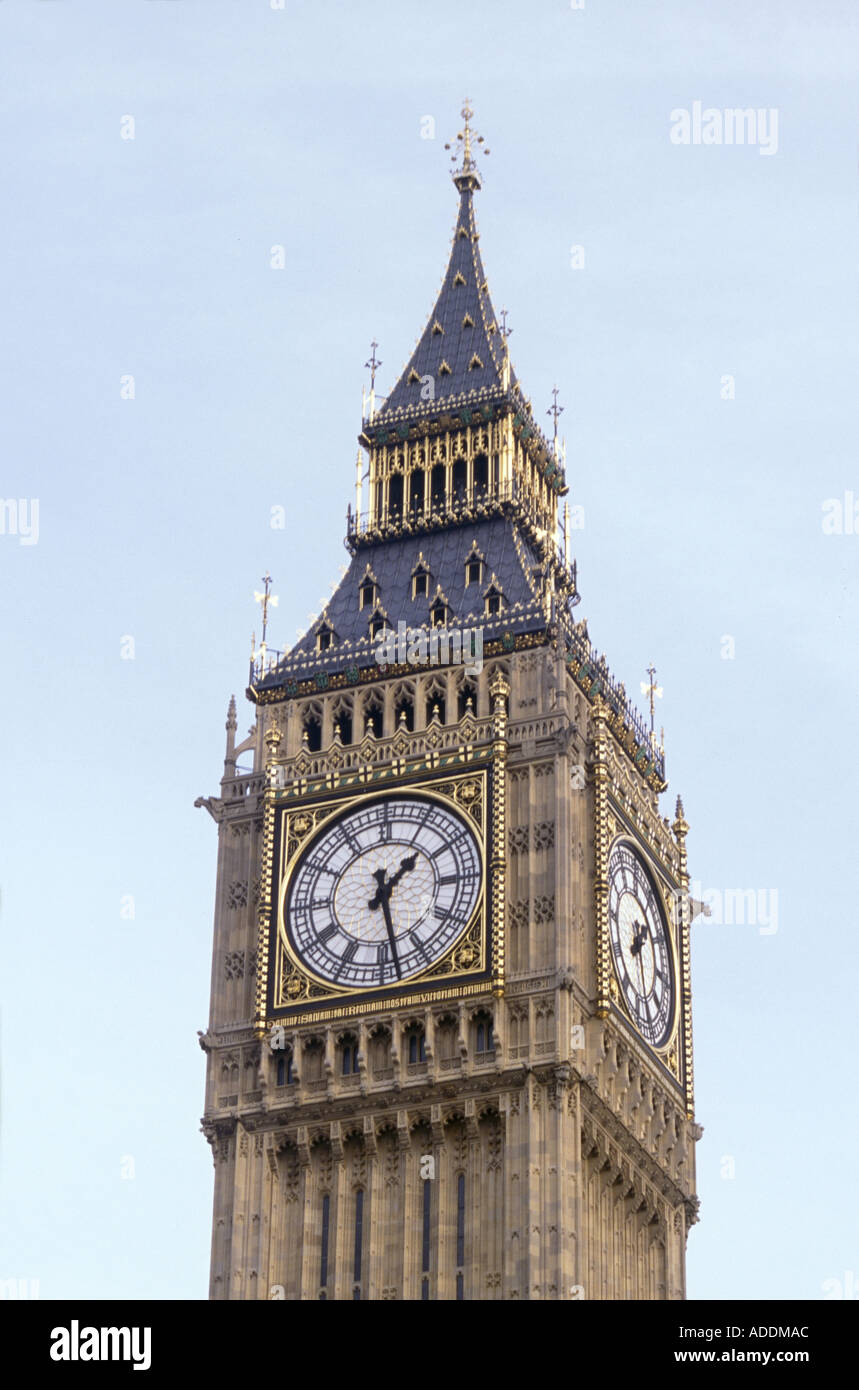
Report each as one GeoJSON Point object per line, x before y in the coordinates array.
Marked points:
{"type": "Point", "coordinates": [640, 946]}
{"type": "Point", "coordinates": [383, 891]}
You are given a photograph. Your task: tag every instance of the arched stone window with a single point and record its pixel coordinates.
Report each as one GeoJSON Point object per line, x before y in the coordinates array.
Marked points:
{"type": "Point", "coordinates": [342, 714]}
{"type": "Point", "coordinates": [311, 724]}
{"type": "Point", "coordinates": [446, 1030]}
{"type": "Point", "coordinates": [404, 706]}
{"type": "Point", "coordinates": [466, 698]}
{"type": "Point", "coordinates": [374, 715]}
{"type": "Point", "coordinates": [313, 1060]}
{"type": "Point", "coordinates": [434, 700]}
{"type": "Point", "coordinates": [416, 1045]}
{"type": "Point", "coordinates": [348, 1055]}
{"type": "Point", "coordinates": [395, 496]}
{"type": "Point", "coordinates": [381, 1066]}
{"type": "Point", "coordinates": [480, 469]}
{"type": "Point", "coordinates": [481, 1036]}
{"type": "Point", "coordinates": [460, 482]}
{"type": "Point", "coordinates": [437, 484]}
{"type": "Point", "coordinates": [417, 485]}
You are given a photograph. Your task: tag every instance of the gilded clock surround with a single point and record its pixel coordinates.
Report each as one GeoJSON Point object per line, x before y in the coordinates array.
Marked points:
{"type": "Point", "coordinates": [666, 1050]}
{"type": "Point", "coordinates": [466, 959]}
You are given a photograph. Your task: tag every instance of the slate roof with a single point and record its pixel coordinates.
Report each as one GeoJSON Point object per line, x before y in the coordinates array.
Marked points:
{"type": "Point", "coordinates": [505, 552]}
{"type": "Point", "coordinates": [464, 296]}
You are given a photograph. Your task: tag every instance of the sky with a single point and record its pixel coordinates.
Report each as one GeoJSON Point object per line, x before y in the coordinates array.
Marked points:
{"type": "Point", "coordinates": [695, 304]}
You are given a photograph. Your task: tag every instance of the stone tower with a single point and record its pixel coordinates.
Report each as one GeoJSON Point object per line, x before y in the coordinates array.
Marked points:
{"type": "Point", "coordinates": [449, 1052]}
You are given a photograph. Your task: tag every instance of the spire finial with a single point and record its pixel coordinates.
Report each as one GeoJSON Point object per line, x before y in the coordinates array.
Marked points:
{"type": "Point", "coordinates": [467, 175]}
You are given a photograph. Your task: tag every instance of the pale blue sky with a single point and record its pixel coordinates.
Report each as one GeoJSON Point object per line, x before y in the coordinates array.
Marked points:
{"type": "Point", "coordinates": [703, 519]}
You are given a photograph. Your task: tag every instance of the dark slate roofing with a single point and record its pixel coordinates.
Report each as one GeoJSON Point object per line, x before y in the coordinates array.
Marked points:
{"type": "Point", "coordinates": [506, 554]}
{"type": "Point", "coordinates": [464, 295]}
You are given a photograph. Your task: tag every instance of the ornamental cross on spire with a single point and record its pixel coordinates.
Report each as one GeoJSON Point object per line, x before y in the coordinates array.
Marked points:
{"type": "Point", "coordinates": [466, 176]}
{"type": "Point", "coordinates": [267, 599]}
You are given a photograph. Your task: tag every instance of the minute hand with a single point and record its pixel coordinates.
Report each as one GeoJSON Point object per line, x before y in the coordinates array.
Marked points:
{"type": "Point", "coordinates": [380, 899]}
{"type": "Point", "coordinates": [386, 913]}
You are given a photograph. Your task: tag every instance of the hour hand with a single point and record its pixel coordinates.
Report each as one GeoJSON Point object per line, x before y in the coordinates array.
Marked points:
{"type": "Point", "coordinates": [639, 936]}
{"type": "Point", "coordinates": [406, 865]}
{"type": "Point", "coordinates": [383, 890]}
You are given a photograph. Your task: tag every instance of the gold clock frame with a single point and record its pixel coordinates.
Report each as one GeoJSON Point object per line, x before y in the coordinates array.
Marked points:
{"type": "Point", "coordinates": [467, 955]}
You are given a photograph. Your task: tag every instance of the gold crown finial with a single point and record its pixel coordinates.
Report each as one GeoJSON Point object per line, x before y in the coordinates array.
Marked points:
{"type": "Point", "coordinates": [467, 175]}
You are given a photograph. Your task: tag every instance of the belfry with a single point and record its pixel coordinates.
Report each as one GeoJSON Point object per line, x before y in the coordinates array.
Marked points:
{"type": "Point", "coordinates": [449, 1050]}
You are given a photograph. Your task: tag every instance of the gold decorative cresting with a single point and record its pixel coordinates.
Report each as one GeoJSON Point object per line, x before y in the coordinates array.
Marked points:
{"type": "Point", "coordinates": [272, 740]}
{"type": "Point", "coordinates": [499, 691]}
{"type": "Point", "coordinates": [601, 853]}
{"type": "Point", "coordinates": [681, 830]}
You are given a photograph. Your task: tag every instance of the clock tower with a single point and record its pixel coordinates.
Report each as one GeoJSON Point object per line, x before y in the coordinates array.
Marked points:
{"type": "Point", "coordinates": [449, 1051]}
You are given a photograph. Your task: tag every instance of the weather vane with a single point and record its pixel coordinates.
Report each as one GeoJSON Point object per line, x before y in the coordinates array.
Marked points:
{"type": "Point", "coordinates": [655, 692]}
{"type": "Point", "coordinates": [505, 331]}
{"type": "Point", "coordinates": [555, 410]}
{"type": "Point", "coordinates": [267, 599]}
{"type": "Point", "coordinates": [373, 364]}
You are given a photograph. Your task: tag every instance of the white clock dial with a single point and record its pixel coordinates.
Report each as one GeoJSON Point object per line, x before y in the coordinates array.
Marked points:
{"type": "Point", "coordinates": [383, 891]}
{"type": "Point", "coordinates": [641, 946]}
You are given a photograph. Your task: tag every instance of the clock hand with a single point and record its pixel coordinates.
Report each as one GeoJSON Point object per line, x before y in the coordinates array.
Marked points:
{"type": "Point", "coordinates": [639, 937]}
{"type": "Point", "coordinates": [384, 890]}
{"type": "Point", "coordinates": [380, 900]}
{"type": "Point", "coordinates": [643, 990]}
{"type": "Point", "coordinates": [380, 894]}
{"type": "Point", "coordinates": [386, 913]}
{"type": "Point", "coordinates": [406, 865]}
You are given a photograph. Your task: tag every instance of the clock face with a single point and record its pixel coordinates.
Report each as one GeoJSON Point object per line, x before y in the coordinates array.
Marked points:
{"type": "Point", "coordinates": [383, 891]}
{"type": "Point", "coordinates": [640, 946]}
